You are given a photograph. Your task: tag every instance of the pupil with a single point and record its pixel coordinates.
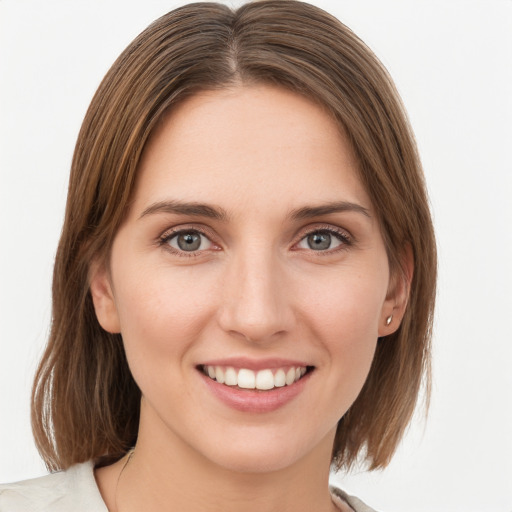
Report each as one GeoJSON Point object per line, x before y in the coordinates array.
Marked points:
{"type": "Point", "coordinates": [189, 241]}
{"type": "Point", "coordinates": [319, 241]}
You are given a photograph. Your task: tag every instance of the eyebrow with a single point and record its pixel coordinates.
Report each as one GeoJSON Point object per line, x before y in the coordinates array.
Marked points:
{"type": "Point", "coordinates": [186, 208]}
{"type": "Point", "coordinates": [204, 210]}
{"type": "Point", "coordinates": [308, 212]}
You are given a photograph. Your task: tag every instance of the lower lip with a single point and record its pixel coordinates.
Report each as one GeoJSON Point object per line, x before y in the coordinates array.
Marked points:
{"type": "Point", "coordinates": [250, 400]}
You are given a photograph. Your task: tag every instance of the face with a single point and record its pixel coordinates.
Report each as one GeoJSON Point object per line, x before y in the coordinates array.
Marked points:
{"type": "Point", "coordinates": [249, 280]}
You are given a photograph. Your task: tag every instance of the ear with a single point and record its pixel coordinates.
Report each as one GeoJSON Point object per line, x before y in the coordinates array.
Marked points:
{"type": "Point", "coordinates": [103, 298]}
{"type": "Point", "coordinates": [394, 306]}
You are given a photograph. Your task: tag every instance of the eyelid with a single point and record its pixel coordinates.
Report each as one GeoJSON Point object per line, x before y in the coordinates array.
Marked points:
{"type": "Point", "coordinates": [169, 233]}
{"type": "Point", "coordinates": [343, 234]}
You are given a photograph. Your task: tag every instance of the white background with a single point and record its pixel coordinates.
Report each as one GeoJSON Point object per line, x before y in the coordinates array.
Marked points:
{"type": "Point", "coordinates": [452, 62]}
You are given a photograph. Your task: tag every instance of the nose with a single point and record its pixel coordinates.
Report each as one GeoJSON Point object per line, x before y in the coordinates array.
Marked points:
{"type": "Point", "coordinates": [256, 300]}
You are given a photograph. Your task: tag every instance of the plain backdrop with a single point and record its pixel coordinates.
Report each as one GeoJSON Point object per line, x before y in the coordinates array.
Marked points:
{"type": "Point", "coordinates": [452, 63]}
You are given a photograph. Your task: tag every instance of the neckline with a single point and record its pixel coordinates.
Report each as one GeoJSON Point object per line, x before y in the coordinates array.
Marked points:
{"type": "Point", "coordinates": [83, 475]}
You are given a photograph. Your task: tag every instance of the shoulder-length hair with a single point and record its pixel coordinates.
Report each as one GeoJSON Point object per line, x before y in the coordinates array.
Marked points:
{"type": "Point", "coordinates": [85, 402]}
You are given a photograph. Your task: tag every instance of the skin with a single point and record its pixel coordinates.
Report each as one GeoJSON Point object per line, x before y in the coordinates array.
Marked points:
{"type": "Point", "coordinates": [254, 289]}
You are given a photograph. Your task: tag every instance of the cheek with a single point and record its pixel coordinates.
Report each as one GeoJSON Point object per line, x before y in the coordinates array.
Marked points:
{"type": "Point", "coordinates": [348, 305]}
{"type": "Point", "coordinates": [345, 323]}
{"type": "Point", "coordinates": [161, 315]}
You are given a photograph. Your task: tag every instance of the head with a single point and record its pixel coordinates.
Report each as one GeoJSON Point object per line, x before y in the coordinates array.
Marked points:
{"type": "Point", "coordinates": [86, 403]}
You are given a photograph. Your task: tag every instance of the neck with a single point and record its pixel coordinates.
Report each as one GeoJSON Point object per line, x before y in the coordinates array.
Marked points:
{"type": "Point", "coordinates": [166, 474]}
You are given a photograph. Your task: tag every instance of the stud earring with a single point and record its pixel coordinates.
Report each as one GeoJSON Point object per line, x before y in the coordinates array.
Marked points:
{"type": "Point", "coordinates": [389, 319]}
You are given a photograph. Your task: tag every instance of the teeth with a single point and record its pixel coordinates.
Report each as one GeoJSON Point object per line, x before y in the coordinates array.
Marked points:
{"type": "Point", "coordinates": [290, 376]}
{"type": "Point", "coordinates": [230, 377]}
{"type": "Point", "coordinates": [264, 379]}
{"type": "Point", "coordinates": [219, 375]}
{"type": "Point", "coordinates": [248, 379]}
{"type": "Point", "coordinates": [280, 378]}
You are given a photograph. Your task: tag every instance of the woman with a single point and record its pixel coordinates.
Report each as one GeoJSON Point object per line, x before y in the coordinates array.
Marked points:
{"type": "Point", "coordinates": [244, 287]}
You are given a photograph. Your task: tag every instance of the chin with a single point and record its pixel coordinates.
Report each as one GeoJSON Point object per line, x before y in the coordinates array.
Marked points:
{"type": "Point", "coordinates": [254, 460]}
{"type": "Point", "coordinates": [266, 454]}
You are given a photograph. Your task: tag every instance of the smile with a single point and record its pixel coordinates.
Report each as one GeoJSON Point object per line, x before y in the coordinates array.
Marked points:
{"type": "Point", "coordinates": [263, 380]}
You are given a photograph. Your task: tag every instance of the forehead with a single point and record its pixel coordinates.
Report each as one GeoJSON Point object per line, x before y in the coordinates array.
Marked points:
{"type": "Point", "coordinates": [257, 144]}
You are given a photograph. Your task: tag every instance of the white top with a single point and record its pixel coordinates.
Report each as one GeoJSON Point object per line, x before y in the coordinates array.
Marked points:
{"type": "Point", "coordinates": [76, 490]}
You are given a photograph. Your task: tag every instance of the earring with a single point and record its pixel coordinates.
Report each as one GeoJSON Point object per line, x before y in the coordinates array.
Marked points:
{"type": "Point", "coordinates": [389, 319]}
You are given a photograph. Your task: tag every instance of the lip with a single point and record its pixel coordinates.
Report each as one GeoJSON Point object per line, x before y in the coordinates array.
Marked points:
{"type": "Point", "coordinates": [255, 401]}
{"type": "Point", "coordinates": [254, 364]}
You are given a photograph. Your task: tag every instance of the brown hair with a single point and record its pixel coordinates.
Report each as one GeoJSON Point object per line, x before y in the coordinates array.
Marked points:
{"type": "Point", "coordinates": [85, 401]}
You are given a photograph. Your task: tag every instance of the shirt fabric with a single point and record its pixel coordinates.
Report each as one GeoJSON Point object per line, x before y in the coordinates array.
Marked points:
{"type": "Point", "coordinates": [76, 490]}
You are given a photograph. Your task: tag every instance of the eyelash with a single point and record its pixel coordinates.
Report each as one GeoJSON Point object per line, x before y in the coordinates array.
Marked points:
{"type": "Point", "coordinates": [341, 235]}
{"type": "Point", "coordinates": [169, 235]}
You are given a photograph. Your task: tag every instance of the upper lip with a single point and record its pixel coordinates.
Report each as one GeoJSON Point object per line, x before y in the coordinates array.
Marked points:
{"type": "Point", "coordinates": [254, 364]}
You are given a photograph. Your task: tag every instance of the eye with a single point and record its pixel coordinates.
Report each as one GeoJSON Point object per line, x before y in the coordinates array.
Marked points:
{"type": "Point", "coordinates": [187, 241]}
{"type": "Point", "coordinates": [324, 240]}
